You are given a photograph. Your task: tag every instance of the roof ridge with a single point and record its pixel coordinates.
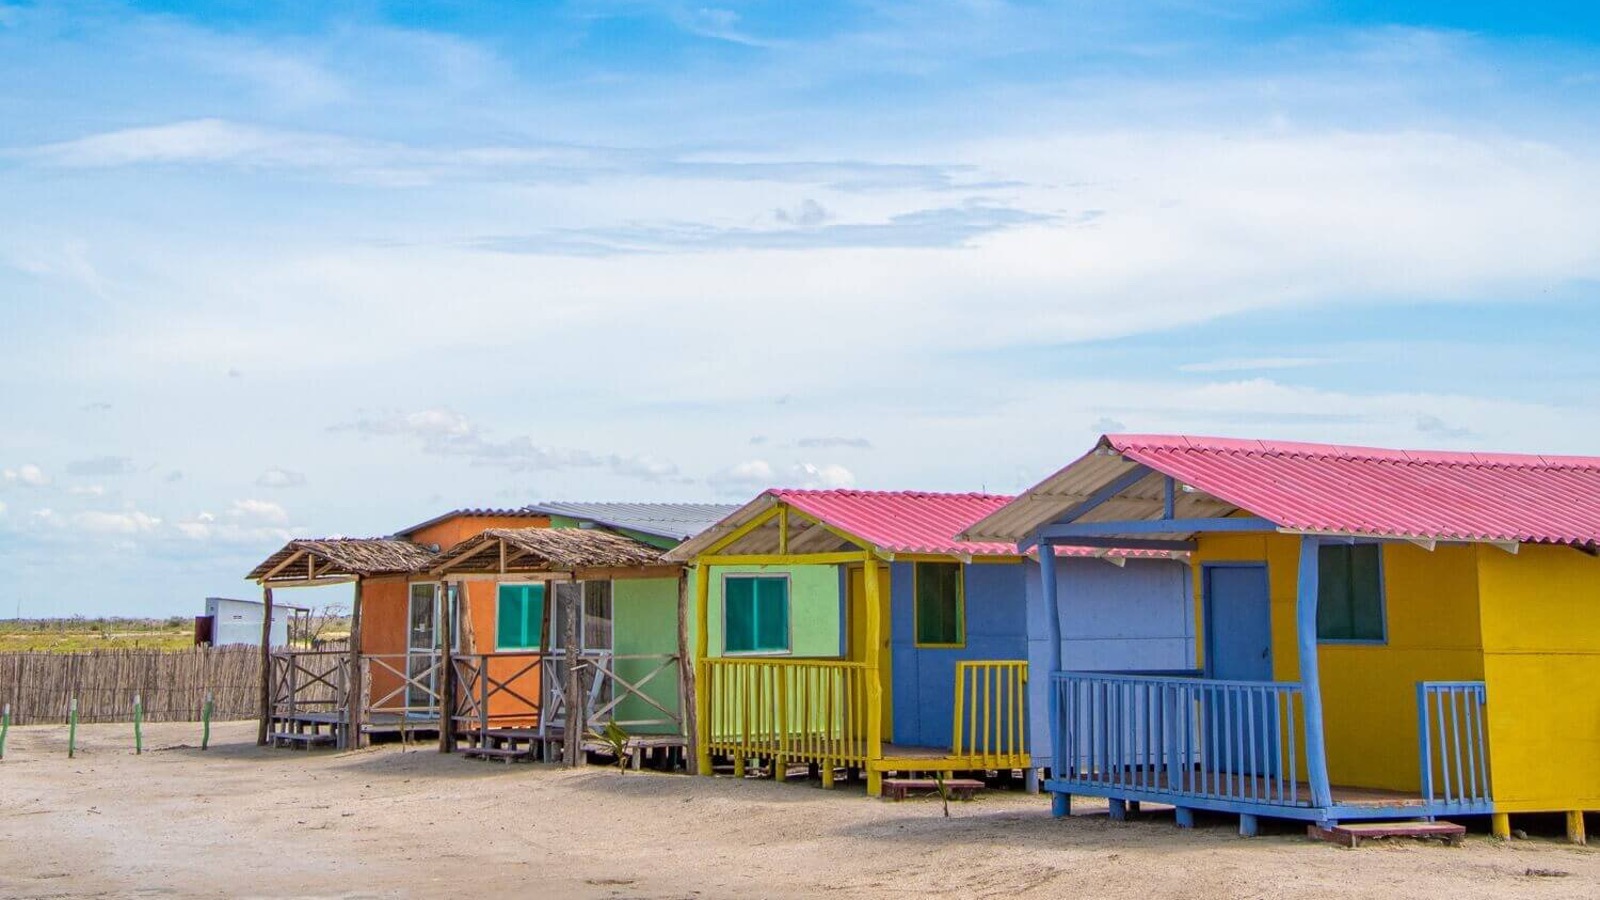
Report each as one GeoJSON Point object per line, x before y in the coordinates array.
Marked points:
{"type": "Point", "coordinates": [867, 492]}
{"type": "Point", "coordinates": [1309, 450]}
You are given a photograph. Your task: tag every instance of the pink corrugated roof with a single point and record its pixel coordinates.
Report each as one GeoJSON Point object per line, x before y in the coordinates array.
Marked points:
{"type": "Point", "coordinates": [1403, 493]}
{"type": "Point", "coordinates": [913, 521]}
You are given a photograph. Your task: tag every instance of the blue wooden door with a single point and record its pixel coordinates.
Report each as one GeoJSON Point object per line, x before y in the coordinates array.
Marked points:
{"type": "Point", "coordinates": [1238, 623]}
{"type": "Point", "coordinates": [1241, 728]}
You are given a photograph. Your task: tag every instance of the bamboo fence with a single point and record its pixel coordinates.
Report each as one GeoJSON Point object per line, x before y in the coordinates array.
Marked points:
{"type": "Point", "coordinates": [171, 684]}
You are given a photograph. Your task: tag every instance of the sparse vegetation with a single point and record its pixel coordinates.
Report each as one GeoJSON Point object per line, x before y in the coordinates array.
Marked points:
{"type": "Point", "coordinates": [77, 634]}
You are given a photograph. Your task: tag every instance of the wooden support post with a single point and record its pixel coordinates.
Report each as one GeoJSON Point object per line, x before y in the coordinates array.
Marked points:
{"type": "Point", "coordinates": [1500, 825]}
{"type": "Point", "coordinates": [1050, 596]}
{"type": "Point", "coordinates": [1185, 817]}
{"type": "Point", "coordinates": [1310, 678]}
{"type": "Point", "coordinates": [353, 691]}
{"type": "Point", "coordinates": [1060, 804]}
{"type": "Point", "coordinates": [1249, 825]}
{"type": "Point", "coordinates": [1118, 809]}
{"type": "Point", "coordinates": [687, 713]}
{"type": "Point", "coordinates": [447, 680]}
{"type": "Point", "coordinates": [572, 739]}
{"type": "Point", "coordinates": [1575, 833]}
{"type": "Point", "coordinates": [873, 646]}
{"type": "Point", "coordinates": [266, 666]}
{"type": "Point", "coordinates": [702, 685]}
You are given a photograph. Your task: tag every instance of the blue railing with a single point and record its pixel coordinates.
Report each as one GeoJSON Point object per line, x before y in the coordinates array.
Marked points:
{"type": "Point", "coordinates": [1454, 748]}
{"type": "Point", "coordinates": [1186, 737]}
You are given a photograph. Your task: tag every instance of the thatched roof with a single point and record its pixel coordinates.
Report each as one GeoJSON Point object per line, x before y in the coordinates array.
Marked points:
{"type": "Point", "coordinates": [544, 550]}
{"type": "Point", "coordinates": [330, 560]}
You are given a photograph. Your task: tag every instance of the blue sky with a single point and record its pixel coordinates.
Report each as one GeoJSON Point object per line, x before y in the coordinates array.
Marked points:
{"type": "Point", "coordinates": [304, 269]}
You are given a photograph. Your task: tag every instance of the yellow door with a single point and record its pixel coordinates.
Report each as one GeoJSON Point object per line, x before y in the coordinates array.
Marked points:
{"type": "Point", "coordinates": [856, 631]}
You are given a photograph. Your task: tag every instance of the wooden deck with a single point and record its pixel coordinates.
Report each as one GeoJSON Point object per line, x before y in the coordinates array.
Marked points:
{"type": "Point", "coordinates": [907, 758]}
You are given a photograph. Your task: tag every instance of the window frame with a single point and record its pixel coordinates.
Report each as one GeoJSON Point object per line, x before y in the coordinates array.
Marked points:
{"type": "Point", "coordinates": [961, 606]}
{"type": "Point", "coordinates": [544, 609]}
{"type": "Point", "coordinates": [788, 613]}
{"type": "Point", "coordinates": [1383, 599]}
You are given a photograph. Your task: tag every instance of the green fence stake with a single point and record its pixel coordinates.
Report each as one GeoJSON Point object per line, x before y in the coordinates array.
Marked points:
{"type": "Point", "coordinates": [205, 718]}
{"type": "Point", "coordinates": [138, 726]}
{"type": "Point", "coordinates": [72, 728]}
{"type": "Point", "coordinates": [5, 726]}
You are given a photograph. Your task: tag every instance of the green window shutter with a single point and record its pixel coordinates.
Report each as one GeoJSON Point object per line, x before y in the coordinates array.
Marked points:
{"type": "Point", "coordinates": [1350, 592]}
{"type": "Point", "coordinates": [772, 614]}
{"type": "Point", "coordinates": [520, 616]}
{"type": "Point", "coordinates": [939, 603]}
{"type": "Point", "coordinates": [756, 614]}
{"type": "Point", "coordinates": [739, 622]}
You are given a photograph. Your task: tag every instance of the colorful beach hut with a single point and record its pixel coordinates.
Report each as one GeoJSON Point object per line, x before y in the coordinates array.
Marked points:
{"type": "Point", "coordinates": [1384, 634]}
{"type": "Point", "coordinates": [397, 626]}
{"type": "Point", "coordinates": [851, 630]}
{"type": "Point", "coordinates": [585, 608]}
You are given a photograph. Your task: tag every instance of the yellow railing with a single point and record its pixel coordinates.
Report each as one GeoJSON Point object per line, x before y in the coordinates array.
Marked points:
{"type": "Point", "coordinates": [991, 714]}
{"type": "Point", "coordinates": [788, 710]}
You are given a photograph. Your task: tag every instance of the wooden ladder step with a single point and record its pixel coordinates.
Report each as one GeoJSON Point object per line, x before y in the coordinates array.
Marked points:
{"type": "Point", "coordinates": [1352, 834]}
{"type": "Point", "coordinates": [900, 788]}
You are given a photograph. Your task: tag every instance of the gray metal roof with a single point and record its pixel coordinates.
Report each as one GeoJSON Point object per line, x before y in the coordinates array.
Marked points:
{"type": "Point", "coordinates": [677, 521]}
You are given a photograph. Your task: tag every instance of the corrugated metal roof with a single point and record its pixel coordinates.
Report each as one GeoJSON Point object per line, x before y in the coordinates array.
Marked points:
{"type": "Point", "coordinates": [904, 521]}
{"type": "Point", "coordinates": [477, 513]}
{"type": "Point", "coordinates": [1420, 494]}
{"type": "Point", "coordinates": [677, 521]}
{"type": "Point", "coordinates": [892, 521]}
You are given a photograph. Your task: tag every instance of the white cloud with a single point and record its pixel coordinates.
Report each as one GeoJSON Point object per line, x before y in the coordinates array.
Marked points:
{"type": "Point", "coordinates": [280, 478]}
{"type": "Point", "coordinates": [1255, 364]}
{"type": "Point", "coordinates": [743, 479]}
{"type": "Point", "coordinates": [87, 490]}
{"type": "Point", "coordinates": [263, 511]}
{"type": "Point", "coordinates": [131, 522]}
{"type": "Point", "coordinates": [2, 507]}
{"type": "Point", "coordinates": [827, 475]}
{"type": "Point", "coordinates": [26, 475]}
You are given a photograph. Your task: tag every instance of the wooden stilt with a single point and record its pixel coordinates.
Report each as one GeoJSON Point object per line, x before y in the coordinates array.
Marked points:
{"type": "Point", "coordinates": [1500, 825]}
{"type": "Point", "coordinates": [447, 685]}
{"type": "Point", "coordinates": [354, 693]}
{"type": "Point", "coordinates": [686, 688]}
{"type": "Point", "coordinates": [1185, 817]}
{"type": "Point", "coordinates": [1575, 833]}
{"type": "Point", "coordinates": [1119, 810]}
{"type": "Point", "coordinates": [1249, 826]}
{"type": "Point", "coordinates": [1060, 805]}
{"type": "Point", "coordinates": [701, 709]}
{"type": "Point", "coordinates": [266, 666]}
{"type": "Point", "coordinates": [573, 734]}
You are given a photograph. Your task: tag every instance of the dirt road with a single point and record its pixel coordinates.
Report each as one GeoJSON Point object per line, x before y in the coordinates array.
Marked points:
{"type": "Point", "coordinates": [238, 821]}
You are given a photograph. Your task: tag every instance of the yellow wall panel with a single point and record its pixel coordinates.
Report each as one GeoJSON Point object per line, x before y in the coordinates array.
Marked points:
{"type": "Point", "coordinates": [1541, 630]}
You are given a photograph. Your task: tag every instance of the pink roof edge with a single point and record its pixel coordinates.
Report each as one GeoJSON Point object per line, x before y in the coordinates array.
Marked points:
{"type": "Point", "coordinates": [1423, 494]}
{"type": "Point", "coordinates": [917, 521]}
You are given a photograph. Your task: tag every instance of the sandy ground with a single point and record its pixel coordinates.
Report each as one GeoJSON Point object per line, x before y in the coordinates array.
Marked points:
{"type": "Point", "coordinates": [238, 821]}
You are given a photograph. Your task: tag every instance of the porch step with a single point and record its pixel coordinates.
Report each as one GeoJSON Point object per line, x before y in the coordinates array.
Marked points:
{"type": "Point", "coordinates": [1352, 835]}
{"type": "Point", "coordinates": [503, 753]}
{"type": "Point", "coordinates": [285, 738]}
{"type": "Point", "coordinates": [900, 788]}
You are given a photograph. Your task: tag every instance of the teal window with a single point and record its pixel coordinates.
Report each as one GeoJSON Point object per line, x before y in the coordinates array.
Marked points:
{"type": "Point", "coordinates": [1350, 593]}
{"type": "Point", "coordinates": [941, 613]}
{"type": "Point", "coordinates": [519, 616]}
{"type": "Point", "coordinates": [755, 614]}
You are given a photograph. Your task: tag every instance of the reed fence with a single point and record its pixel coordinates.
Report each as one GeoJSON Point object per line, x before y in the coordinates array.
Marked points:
{"type": "Point", "coordinates": [172, 685]}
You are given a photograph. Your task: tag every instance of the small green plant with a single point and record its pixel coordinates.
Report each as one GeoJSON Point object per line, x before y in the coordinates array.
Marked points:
{"type": "Point", "coordinates": [616, 740]}
{"type": "Point", "coordinates": [944, 792]}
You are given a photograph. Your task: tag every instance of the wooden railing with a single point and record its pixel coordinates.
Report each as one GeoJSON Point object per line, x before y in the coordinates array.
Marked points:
{"type": "Point", "coordinates": [1453, 744]}
{"type": "Point", "coordinates": [990, 726]}
{"type": "Point", "coordinates": [309, 681]}
{"type": "Point", "coordinates": [788, 709]}
{"type": "Point", "coordinates": [498, 690]}
{"type": "Point", "coordinates": [407, 695]}
{"type": "Point", "coordinates": [1222, 740]}
{"type": "Point", "coordinates": [527, 689]}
